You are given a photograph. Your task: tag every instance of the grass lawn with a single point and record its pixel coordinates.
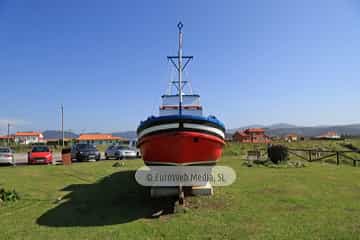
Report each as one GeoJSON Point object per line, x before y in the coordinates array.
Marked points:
{"type": "Point", "coordinates": [98, 201]}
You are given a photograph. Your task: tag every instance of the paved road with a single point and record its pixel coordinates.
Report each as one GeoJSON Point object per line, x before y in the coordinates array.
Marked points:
{"type": "Point", "coordinates": [21, 158]}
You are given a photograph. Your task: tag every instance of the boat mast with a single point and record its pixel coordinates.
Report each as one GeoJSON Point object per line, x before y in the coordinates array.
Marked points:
{"type": "Point", "coordinates": [180, 25]}
{"type": "Point", "coordinates": [180, 65]}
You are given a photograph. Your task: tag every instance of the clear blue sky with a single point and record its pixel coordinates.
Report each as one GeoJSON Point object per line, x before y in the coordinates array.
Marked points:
{"type": "Point", "coordinates": [255, 61]}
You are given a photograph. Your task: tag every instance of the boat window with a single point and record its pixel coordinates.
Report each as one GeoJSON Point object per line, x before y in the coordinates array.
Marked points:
{"type": "Point", "coordinates": [40, 149]}
{"type": "Point", "coordinates": [4, 150]}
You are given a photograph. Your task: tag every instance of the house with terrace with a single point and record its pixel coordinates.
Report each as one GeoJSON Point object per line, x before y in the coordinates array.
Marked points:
{"type": "Point", "coordinates": [28, 137]}
{"type": "Point", "coordinates": [251, 135]}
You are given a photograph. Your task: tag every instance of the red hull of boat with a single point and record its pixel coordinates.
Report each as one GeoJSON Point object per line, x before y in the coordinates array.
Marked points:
{"type": "Point", "coordinates": [181, 148]}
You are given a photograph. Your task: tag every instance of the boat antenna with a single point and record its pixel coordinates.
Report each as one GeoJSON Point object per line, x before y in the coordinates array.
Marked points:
{"type": "Point", "coordinates": [180, 26]}
{"type": "Point", "coordinates": [180, 66]}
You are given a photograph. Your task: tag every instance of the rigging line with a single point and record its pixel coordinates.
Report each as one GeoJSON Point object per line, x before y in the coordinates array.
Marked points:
{"type": "Point", "coordinates": [172, 80]}
{"type": "Point", "coordinates": [172, 61]}
{"type": "Point", "coordinates": [169, 72]}
{"type": "Point", "coordinates": [188, 79]}
{"type": "Point", "coordinates": [154, 105]}
{"type": "Point", "coordinates": [186, 63]}
{"type": "Point", "coordinates": [190, 85]}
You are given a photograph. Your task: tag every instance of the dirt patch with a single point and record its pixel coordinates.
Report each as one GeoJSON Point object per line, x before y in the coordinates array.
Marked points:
{"type": "Point", "coordinates": [351, 209]}
{"type": "Point", "coordinates": [269, 190]}
{"type": "Point", "coordinates": [206, 202]}
{"type": "Point", "coordinates": [296, 208]}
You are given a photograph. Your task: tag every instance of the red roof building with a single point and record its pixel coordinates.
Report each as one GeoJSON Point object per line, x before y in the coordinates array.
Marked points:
{"type": "Point", "coordinates": [6, 138]}
{"type": "Point", "coordinates": [28, 137]}
{"type": "Point", "coordinates": [251, 135]}
{"type": "Point", "coordinates": [32, 133]}
{"type": "Point", "coordinates": [100, 139]}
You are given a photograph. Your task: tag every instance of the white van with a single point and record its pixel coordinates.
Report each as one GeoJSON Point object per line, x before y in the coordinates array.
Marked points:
{"type": "Point", "coordinates": [133, 145]}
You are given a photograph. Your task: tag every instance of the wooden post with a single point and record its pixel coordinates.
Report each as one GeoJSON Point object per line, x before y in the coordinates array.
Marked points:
{"type": "Point", "coordinates": [309, 155]}
{"type": "Point", "coordinates": [181, 195]}
{"type": "Point", "coordinates": [8, 135]}
{"type": "Point", "coordinates": [354, 163]}
{"type": "Point", "coordinates": [337, 158]}
{"type": "Point", "coordinates": [62, 125]}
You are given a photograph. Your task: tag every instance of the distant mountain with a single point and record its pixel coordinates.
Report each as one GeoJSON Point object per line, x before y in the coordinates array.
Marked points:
{"type": "Point", "coordinates": [278, 129]}
{"type": "Point", "coordinates": [272, 126]}
{"type": "Point", "coordinates": [126, 134]}
{"type": "Point", "coordinates": [280, 125]}
{"type": "Point", "coordinates": [233, 130]}
{"type": "Point", "coordinates": [51, 134]}
{"type": "Point", "coordinates": [353, 130]}
{"type": "Point", "coordinates": [281, 129]}
{"type": "Point", "coordinates": [353, 125]}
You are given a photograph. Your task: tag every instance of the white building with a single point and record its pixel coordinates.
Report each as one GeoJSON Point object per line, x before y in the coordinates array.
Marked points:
{"type": "Point", "coordinates": [329, 135]}
{"type": "Point", "coordinates": [28, 137]}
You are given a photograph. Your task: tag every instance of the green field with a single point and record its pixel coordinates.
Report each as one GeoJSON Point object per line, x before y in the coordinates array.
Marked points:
{"type": "Point", "coordinates": [98, 201]}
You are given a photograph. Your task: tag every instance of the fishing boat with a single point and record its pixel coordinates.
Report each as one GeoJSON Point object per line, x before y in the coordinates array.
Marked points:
{"type": "Point", "coordinates": [181, 135]}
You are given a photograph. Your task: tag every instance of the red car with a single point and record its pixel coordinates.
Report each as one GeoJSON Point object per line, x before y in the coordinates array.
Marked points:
{"type": "Point", "coordinates": [40, 154]}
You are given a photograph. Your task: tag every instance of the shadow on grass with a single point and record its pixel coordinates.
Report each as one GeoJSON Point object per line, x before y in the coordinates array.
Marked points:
{"type": "Point", "coordinates": [115, 199]}
{"type": "Point", "coordinates": [5, 165]}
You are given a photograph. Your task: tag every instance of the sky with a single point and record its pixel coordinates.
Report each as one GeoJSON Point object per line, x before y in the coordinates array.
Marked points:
{"type": "Point", "coordinates": [255, 62]}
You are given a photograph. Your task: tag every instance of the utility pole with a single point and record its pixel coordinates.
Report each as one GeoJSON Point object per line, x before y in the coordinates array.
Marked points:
{"type": "Point", "coordinates": [8, 135]}
{"type": "Point", "coordinates": [62, 125]}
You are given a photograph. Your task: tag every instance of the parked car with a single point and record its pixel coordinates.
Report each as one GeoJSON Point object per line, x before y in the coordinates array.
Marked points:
{"type": "Point", "coordinates": [6, 155]}
{"type": "Point", "coordinates": [133, 145]}
{"type": "Point", "coordinates": [40, 154]}
{"type": "Point", "coordinates": [119, 152]}
{"type": "Point", "coordinates": [85, 152]}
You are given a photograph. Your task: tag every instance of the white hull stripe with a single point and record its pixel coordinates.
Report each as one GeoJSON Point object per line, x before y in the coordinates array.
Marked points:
{"type": "Point", "coordinates": [158, 128]}
{"type": "Point", "coordinates": [186, 125]}
{"type": "Point", "coordinates": [180, 164]}
{"type": "Point", "coordinates": [205, 128]}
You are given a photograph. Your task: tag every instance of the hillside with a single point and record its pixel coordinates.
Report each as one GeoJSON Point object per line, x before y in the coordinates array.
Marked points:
{"type": "Point", "coordinates": [283, 129]}
{"type": "Point", "coordinates": [126, 134]}
{"type": "Point", "coordinates": [51, 134]}
{"type": "Point", "coordinates": [353, 130]}
{"type": "Point", "coordinates": [279, 129]}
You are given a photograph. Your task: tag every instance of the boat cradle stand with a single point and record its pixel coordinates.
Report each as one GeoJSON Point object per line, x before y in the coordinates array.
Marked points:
{"type": "Point", "coordinates": [181, 191]}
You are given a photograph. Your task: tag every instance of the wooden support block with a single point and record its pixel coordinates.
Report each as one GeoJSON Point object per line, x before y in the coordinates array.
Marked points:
{"type": "Point", "coordinates": [158, 192]}
{"type": "Point", "coordinates": [205, 190]}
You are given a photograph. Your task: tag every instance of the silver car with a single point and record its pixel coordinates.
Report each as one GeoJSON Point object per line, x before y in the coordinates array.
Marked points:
{"type": "Point", "coordinates": [119, 152]}
{"type": "Point", "coordinates": [6, 155]}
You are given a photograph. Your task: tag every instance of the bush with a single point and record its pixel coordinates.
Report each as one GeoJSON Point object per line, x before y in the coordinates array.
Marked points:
{"type": "Point", "coordinates": [278, 153]}
{"type": "Point", "coordinates": [8, 196]}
